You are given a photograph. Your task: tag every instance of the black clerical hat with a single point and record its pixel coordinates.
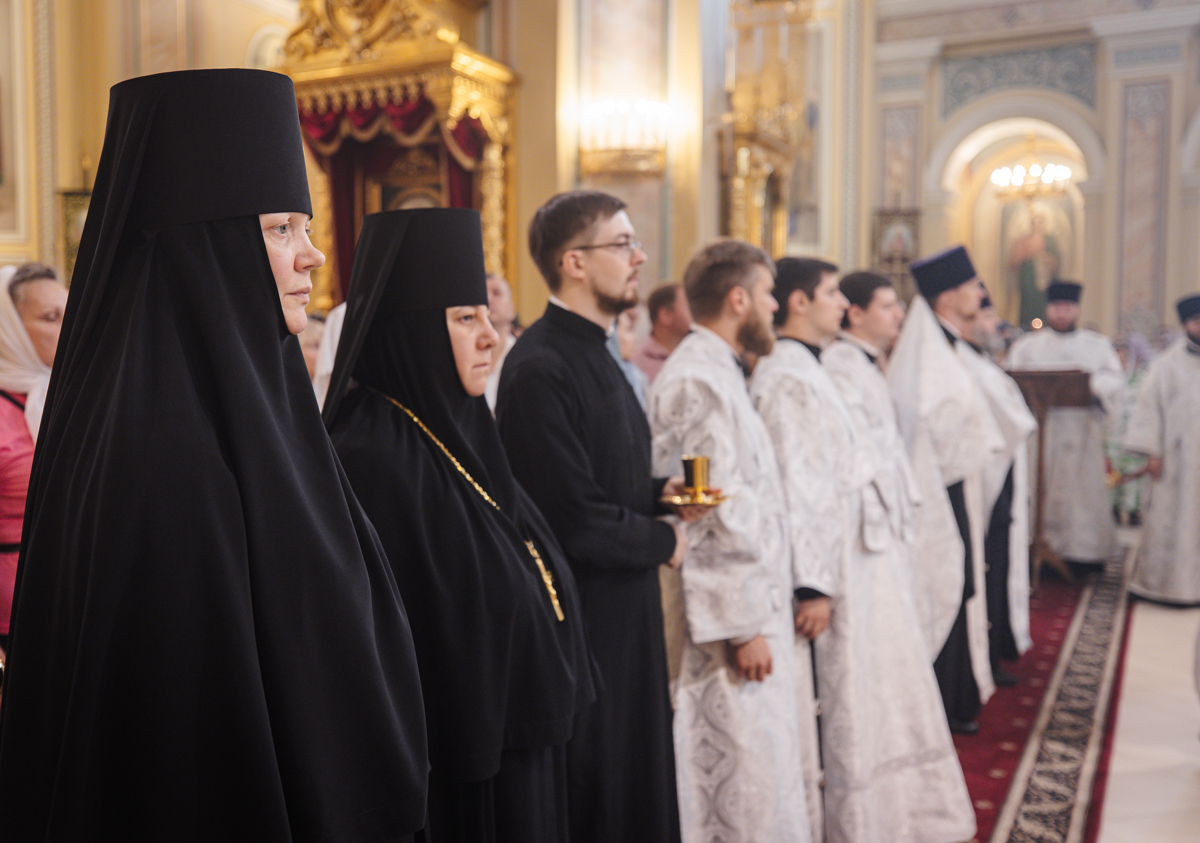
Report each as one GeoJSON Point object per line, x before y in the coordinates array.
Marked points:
{"type": "Point", "coordinates": [437, 262]}
{"type": "Point", "coordinates": [221, 144]}
{"type": "Point", "coordinates": [1188, 306]}
{"type": "Point", "coordinates": [1064, 291]}
{"type": "Point", "coordinates": [407, 261]}
{"type": "Point", "coordinates": [941, 272]}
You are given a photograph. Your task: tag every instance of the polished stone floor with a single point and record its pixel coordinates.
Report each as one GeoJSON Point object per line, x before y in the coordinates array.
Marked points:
{"type": "Point", "coordinates": [1154, 779]}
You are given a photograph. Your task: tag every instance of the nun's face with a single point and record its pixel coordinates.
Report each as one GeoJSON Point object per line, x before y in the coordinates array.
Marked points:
{"type": "Point", "coordinates": [293, 258]}
{"type": "Point", "coordinates": [472, 337]}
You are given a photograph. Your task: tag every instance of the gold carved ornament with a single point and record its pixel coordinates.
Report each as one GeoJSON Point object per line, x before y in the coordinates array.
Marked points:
{"type": "Point", "coordinates": [359, 53]}
{"type": "Point", "coordinates": [764, 133]}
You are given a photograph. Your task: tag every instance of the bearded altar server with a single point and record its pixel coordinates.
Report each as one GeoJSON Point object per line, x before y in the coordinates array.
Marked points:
{"type": "Point", "coordinates": [1078, 523]}
{"type": "Point", "coordinates": [1164, 428]}
{"type": "Point", "coordinates": [579, 442]}
{"type": "Point", "coordinates": [736, 718]}
{"type": "Point", "coordinates": [495, 613]}
{"type": "Point", "coordinates": [950, 436]}
{"type": "Point", "coordinates": [1006, 499]}
{"type": "Point", "coordinates": [891, 772]}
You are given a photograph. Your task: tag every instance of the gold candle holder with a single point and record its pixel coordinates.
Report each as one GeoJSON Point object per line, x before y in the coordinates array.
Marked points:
{"type": "Point", "coordinates": [695, 475]}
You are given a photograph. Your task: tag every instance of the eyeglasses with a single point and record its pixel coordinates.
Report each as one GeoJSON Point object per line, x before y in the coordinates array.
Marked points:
{"type": "Point", "coordinates": [628, 246]}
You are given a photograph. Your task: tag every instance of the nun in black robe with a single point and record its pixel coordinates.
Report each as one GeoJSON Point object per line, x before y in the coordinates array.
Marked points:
{"type": "Point", "coordinates": [504, 666]}
{"type": "Point", "coordinates": [207, 642]}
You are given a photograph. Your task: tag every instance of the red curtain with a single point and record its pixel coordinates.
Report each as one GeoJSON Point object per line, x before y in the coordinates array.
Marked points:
{"type": "Point", "coordinates": [358, 142]}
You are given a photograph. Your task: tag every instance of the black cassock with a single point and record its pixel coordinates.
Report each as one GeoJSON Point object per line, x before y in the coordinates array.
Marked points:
{"type": "Point", "coordinates": [579, 443]}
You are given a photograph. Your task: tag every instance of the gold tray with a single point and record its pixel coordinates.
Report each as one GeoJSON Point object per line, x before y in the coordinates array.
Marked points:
{"type": "Point", "coordinates": [703, 499]}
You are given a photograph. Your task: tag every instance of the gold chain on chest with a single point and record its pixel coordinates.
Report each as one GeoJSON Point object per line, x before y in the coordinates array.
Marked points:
{"type": "Point", "coordinates": [547, 577]}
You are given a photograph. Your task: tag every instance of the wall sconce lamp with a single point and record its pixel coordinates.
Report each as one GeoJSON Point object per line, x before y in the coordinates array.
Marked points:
{"type": "Point", "coordinates": [624, 137]}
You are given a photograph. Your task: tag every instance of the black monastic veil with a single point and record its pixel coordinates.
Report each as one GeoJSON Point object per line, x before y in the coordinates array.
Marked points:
{"type": "Point", "coordinates": [207, 642]}
{"type": "Point", "coordinates": [501, 674]}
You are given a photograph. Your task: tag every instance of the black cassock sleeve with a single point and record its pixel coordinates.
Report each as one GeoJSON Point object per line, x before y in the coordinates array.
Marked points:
{"type": "Point", "coordinates": [543, 422]}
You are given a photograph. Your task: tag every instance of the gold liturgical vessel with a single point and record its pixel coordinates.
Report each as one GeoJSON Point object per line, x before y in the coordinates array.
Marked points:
{"type": "Point", "coordinates": [696, 491]}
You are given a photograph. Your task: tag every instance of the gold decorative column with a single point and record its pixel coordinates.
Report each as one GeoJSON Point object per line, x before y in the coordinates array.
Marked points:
{"type": "Point", "coordinates": [764, 134]}
{"type": "Point", "coordinates": [491, 200]}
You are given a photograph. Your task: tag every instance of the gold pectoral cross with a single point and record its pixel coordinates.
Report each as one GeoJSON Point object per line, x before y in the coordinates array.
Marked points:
{"type": "Point", "coordinates": [547, 579]}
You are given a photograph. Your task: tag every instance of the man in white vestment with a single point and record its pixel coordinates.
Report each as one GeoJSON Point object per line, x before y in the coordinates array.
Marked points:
{"type": "Point", "coordinates": [1006, 499]}
{"type": "Point", "coordinates": [891, 772]}
{"type": "Point", "coordinates": [1165, 427]}
{"type": "Point", "coordinates": [1078, 523]}
{"type": "Point", "coordinates": [951, 436]}
{"type": "Point", "coordinates": [737, 752]}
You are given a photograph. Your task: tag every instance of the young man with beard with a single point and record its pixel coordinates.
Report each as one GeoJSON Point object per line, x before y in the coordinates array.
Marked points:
{"type": "Point", "coordinates": [950, 435]}
{"type": "Point", "coordinates": [1163, 427]}
{"type": "Point", "coordinates": [1078, 523]}
{"type": "Point", "coordinates": [891, 772]}
{"type": "Point", "coordinates": [736, 718]}
{"type": "Point", "coordinates": [579, 443]}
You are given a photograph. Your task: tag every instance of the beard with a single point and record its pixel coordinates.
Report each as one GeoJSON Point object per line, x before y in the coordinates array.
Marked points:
{"type": "Point", "coordinates": [755, 335]}
{"type": "Point", "coordinates": [615, 305]}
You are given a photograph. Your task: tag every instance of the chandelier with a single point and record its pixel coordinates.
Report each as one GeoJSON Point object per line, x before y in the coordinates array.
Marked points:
{"type": "Point", "coordinates": [1031, 178]}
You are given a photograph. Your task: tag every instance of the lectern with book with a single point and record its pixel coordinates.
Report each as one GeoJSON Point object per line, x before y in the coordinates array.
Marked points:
{"type": "Point", "coordinates": [1045, 391]}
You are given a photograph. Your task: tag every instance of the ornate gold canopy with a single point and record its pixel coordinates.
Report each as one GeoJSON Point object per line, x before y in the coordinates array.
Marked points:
{"type": "Point", "coordinates": [362, 54]}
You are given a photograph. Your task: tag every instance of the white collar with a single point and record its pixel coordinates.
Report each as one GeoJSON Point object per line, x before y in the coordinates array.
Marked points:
{"type": "Point", "coordinates": [861, 343]}
{"type": "Point", "coordinates": [945, 324]}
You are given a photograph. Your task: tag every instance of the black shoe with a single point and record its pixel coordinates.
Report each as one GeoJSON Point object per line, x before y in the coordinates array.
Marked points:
{"type": "Point", "coordinates": [1081, 570]}
{"type": "Point", "coordinates": [1003, 678]}
{"type": "Point", "coordinates": [964, 727]}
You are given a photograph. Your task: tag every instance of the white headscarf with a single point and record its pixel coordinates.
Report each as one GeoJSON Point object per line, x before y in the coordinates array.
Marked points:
{"type": "Point", "coordinates": [21, 370]}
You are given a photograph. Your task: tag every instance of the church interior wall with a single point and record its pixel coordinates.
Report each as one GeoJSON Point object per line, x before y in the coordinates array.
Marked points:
{"type": "Point", "coordinates": [1121, 85]}
{"type": "Point", "coordinates": [887, 108]}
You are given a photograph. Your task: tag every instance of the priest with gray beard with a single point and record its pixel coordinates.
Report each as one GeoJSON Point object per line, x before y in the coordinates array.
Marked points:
{"type": "Point", "coordinates": [1164, 428]}
{"type": "Point", "coordinates": [1007, 499]}
{"type": "Point", "coordinates": [951, 436]}
{"type": "Point", "coordinates": [891, 771]}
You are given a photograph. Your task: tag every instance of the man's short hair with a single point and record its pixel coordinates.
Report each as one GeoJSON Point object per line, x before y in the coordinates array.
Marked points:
{"type": "Point", "coordinates": [859, 288]}
{"type": "Point", "coordinates": [662, 298]}
{"type": "Point", "coordinates": [718, 268]}
{"type": "Point", "coordinates": [560, 221]}
{"type": "Point", "coordinates": [29, 272]}
{"type": "Point", "coordinates": [793, 274]}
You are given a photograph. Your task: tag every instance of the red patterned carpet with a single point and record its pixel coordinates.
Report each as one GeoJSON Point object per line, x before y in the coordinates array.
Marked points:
{"type": "Point", "coordinates": [1037, 768]}
{"type": "Point", "coordinates": [990, 758]}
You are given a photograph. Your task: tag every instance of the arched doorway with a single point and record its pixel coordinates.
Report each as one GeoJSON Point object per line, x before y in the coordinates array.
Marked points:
{"type": "Point", "coordinates": [1020, 242]}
